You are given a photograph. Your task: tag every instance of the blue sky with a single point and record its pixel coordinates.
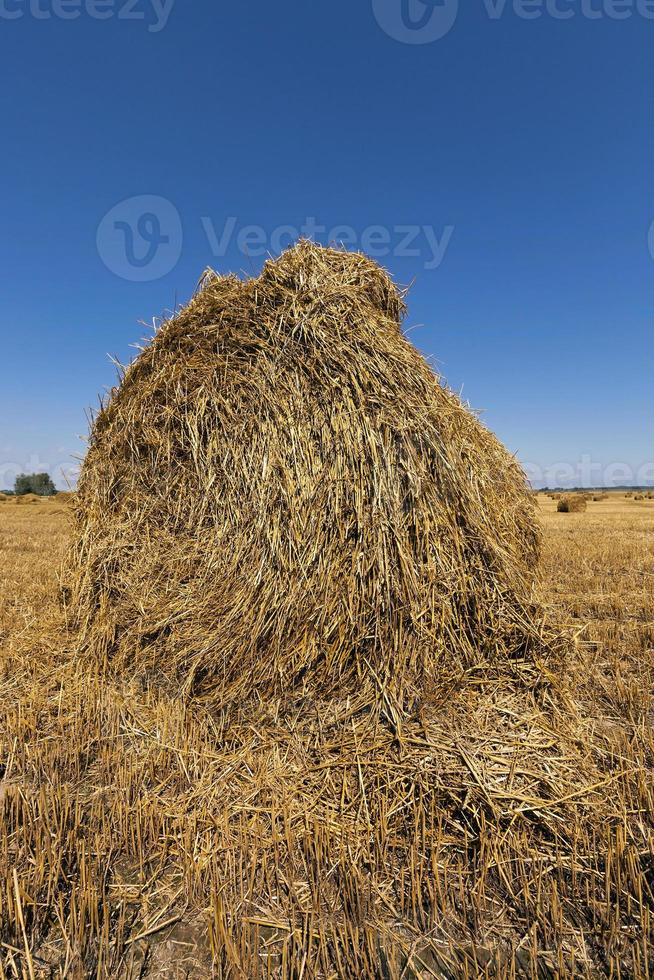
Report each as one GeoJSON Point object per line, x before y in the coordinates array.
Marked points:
{"type": "Point", "coordinates": [504, 168]}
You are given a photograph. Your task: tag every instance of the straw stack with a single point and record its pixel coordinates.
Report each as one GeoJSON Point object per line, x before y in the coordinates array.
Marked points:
{"type": "Point", "coordinates": [281, 495]}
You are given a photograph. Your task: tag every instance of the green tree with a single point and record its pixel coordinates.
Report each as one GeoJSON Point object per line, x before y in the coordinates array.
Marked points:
{"type": "Point", "coordinates": [39, 483]}
{"type": "Point", "coordinates": [22, 485]}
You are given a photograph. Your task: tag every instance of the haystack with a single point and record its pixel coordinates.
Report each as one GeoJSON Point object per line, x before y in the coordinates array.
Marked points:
{"type": "Point", "coordinates": [282, 495]}
{"type": "Point", "coordinates": [65, 496]}
{"type": "Point", "coordinates": [574, 503]}
{"type": "Point", "coordinates": [28, 498]}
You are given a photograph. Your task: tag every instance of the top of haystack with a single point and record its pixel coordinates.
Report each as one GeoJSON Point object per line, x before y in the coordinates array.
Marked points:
{"type": "Point", "coordinates": [317, 274]}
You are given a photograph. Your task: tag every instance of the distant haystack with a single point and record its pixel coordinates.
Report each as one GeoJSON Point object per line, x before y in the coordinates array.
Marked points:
{"type": "Point", "coordinates": [574, 503]}
{"type": "Point", "coordinates": [28, 498]}
{"type": "Point", "coordinates": [281, 495]}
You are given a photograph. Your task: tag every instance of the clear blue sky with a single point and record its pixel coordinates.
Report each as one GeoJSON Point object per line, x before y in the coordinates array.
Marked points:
{"type": "Point", "coordinates": [525, 147]}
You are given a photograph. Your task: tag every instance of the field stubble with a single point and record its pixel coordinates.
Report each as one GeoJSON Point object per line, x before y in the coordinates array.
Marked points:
{"type": "Point", "coordinates": [144, 835]}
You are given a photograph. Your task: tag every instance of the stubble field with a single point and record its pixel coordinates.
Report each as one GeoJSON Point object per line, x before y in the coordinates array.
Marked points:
{"type": "Point", "coordinates": [118, 827]}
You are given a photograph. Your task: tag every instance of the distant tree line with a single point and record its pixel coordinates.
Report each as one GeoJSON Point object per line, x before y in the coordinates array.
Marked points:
{"type": "Point", "coordinates": [38, 483]}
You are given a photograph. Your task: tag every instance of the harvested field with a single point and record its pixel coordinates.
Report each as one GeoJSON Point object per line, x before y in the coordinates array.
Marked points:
{"type": "Point", "coordinates": [128, 811]}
